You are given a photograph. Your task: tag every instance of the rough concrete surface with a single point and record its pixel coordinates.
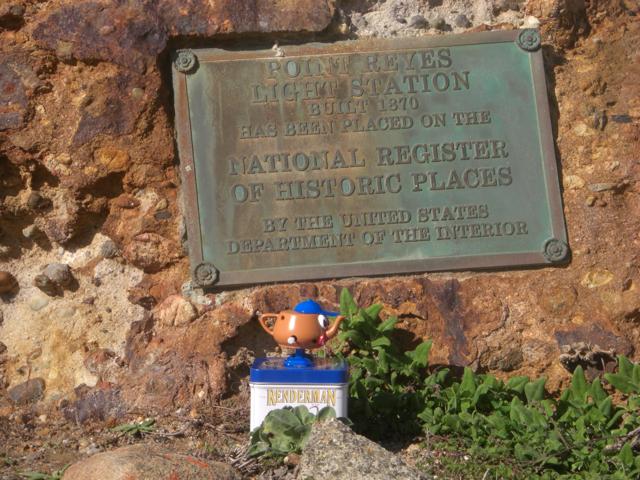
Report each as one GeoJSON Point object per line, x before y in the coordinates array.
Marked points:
{"type": "Point", "coordinates": [335, 451]}
{"type": "Point", "coordinates": [88, 179]}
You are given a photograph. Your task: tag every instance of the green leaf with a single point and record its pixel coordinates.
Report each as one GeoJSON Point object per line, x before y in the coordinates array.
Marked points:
{"type": "Point", "coordinates": [279, 422]}
{"type": "Point", "coordinates": [635, 377]}
{"type": "Point", "coordinates": [620, 382]}
{"type": "Point", "coordinates": [373, 311]}
{"type": "Point", "coordinates": [605, 406]}
{"type": "Point", "coordinates": [388, 325]}
{"type": "Point", "coordinates": [326, 413]}
{"type": "Point", "coordinates": [304, 415]}
{"type": "Point", "coordinates": [381, 342]}
{"type": "Point", "coordinates": [420, 355]}
{"type": "Point", "coordinates": [370, 365]}
{"type": "Point", "coordinates": [468, 384]}
{"type": "Point", "coordinates": [625, 367]}
{"type": "Point", "coordinates": [348, 306]}
{"type": "Point", "coordinates": [35, 476]}
{"type": "Point", "coordinates": [534, 391]}
{"type": "Point", "coordinates": [597, 392]}
{"type": "Point", "coordinates": [626, 455]}
{"type": "Point", "coordinates": [517, 383]}
{"type": "Point", "coordinates": [354, 336]}
{"type": "Point", "coordinates": [257, 449]}
{"type": "Point", "coordinates": [579, 387]}
{"type": "Point", "coordinates": [383, 361]}
{"type": "Point", "coordinates": [614, 420]}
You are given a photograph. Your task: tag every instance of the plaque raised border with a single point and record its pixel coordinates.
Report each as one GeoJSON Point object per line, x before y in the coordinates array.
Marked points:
{"type": "Point", "coordinates": [206, 271]}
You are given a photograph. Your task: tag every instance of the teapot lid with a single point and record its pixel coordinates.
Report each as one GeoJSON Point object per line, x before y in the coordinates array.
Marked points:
{"type": "Point", "coordinates": [309, 306]}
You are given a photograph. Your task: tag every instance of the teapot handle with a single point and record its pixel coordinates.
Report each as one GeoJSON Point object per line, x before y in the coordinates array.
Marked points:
{"type": "Point", "coordinates": [263, 318]}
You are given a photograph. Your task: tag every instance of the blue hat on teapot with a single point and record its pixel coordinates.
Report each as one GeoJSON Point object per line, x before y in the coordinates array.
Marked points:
{"type": "Point", "coordinates": [309, 306]}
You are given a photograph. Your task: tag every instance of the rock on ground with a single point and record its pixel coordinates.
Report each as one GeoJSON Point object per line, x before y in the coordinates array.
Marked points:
{"type": "Point", "coordinates": [147, 462]}
{"type": "Point", "coordinates": [335, 451]}
{"type": "Point", "coordinates": [27, 392]}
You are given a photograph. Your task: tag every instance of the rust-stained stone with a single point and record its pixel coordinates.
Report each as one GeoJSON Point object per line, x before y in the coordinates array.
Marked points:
{"type": "Point", "coordinates": [598, 337]}
{"type": "Point", "coordinates": [132, 34]}
{"type": "Point", "coordinates": [147, 462]}
{"type": "Point", "coordinates": [27, 392]}
{"type": "Point", "coordinates": [11, 14]}
{"type": "Point", "coordinates": [173, 367]}
{"type": "Point", "coordinates": [17, 81]}
{"type": "Point", "coordinates": [100, 403]}
{"type": "Point", "coordinates": [128, 35]}
{"type": "Point", "coordinates": [204, 18]}
{"type": "Point", "coordinates": [8, 282]}
{"type": "Point", "coordinates": [150, 251]}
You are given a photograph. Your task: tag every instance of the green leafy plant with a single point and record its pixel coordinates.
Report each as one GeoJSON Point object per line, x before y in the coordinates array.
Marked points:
{"type": "Point", "coordinates": [627, 379]}
{"type": "Point", "coordinates": [285, 431]}
{"type": "Point", "coordinates": [57, 475]}
{"type": "Point", "coordinates": [385, 382]}
{"type": "Point", "coordinates": [582, 433]}
{"type": "Point", "coordinates": [136, 428]}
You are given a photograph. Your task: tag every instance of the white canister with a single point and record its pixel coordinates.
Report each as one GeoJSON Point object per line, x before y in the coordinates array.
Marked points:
{"type": "Point", "coordinates": [325, 384]}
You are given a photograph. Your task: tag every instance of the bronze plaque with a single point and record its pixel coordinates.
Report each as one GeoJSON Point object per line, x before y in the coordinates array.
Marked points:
{"type": "Point", "coordinates": [367, 158]}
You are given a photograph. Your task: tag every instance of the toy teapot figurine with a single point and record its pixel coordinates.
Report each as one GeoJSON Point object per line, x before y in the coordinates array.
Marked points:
{"type": "Point", "coordinates": [306, 326]}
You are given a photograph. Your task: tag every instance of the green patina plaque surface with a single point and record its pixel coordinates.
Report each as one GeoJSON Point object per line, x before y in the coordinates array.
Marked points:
{"type": "Point", "coordinates": [367, 158]}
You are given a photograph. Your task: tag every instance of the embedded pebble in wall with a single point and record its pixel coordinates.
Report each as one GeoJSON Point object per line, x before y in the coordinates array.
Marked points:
{"type": "Point", "coordinates": [162, 215]}
{"type": "Point", "coordinates": [11, 16]}
{"type": "Point", "coordinates": [530, 22]}
{"type": "Point", "coordinates": [418, 22]}
{"type": "Point", "coordinates": [462, 21]}
{"type": "Point", "coordinates": [47, 285]}
{"type": "Point", "coordinates": [109, 249]}
{"type": "Point", "coordinates": [54, 279]}
{"type": "Point", "coordinates": [37, 201]}
{"type": "Point", "coordinates": [163, 204]}
{"type": "Point", "coordinates": [439, 23]}
{"type": "Point", "coordinates": [60, 273]}
{"type": "Point", "coordinates": [8, 283]}
{"type": "Point", "coordinates": [30, 232]}
{"type": "Point", "coordinates": [38, 302]}
{"type": "Point", "coordinates": [27, 392]}
{"type": "Point", "coordinates": [66, 311]}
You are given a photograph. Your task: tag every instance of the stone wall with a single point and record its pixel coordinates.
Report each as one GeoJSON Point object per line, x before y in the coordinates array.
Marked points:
{"type": "Point", "coordinates": [89, 179]}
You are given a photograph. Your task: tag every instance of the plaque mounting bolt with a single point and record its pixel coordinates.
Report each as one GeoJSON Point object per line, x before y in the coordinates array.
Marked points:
{"type": "Point", "coordinates": [205, 274]}
{"type": "Point", "coordinates": [555, 250]}
{"type": "Point", "coordinates": [529, 39]}
{"type": "Point", "coordinates": [186, 61]}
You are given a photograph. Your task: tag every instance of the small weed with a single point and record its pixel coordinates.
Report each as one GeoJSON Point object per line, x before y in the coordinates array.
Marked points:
{"type": "Point", "coordinates": [57, 475]}
{"type": "Point", "coordinates": [136, 429]}
{"type": "Point", "coordinates": [7, 461]}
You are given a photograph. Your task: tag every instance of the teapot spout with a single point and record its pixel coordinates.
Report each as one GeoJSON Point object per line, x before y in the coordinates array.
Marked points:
{"type": "Point", "coordinates": [333, 329]}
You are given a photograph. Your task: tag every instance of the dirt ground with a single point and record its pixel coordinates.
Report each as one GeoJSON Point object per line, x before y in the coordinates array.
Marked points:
{"type": "Point", "coordinates": [34, 442]}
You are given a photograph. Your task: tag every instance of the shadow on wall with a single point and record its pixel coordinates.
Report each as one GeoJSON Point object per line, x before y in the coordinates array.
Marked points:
{"type": "Point", "coordinates": [250, 342]}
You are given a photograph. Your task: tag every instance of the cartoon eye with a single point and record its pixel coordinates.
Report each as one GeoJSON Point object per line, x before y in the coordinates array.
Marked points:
{"type": "Point", "coordinates": [323, 321]}
{"type": "Point", "coordinates": [292, 339]}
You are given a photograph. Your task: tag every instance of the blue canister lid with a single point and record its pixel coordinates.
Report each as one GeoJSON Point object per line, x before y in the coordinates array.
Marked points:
{"type": "Point", "coordinates": [323, 370]}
